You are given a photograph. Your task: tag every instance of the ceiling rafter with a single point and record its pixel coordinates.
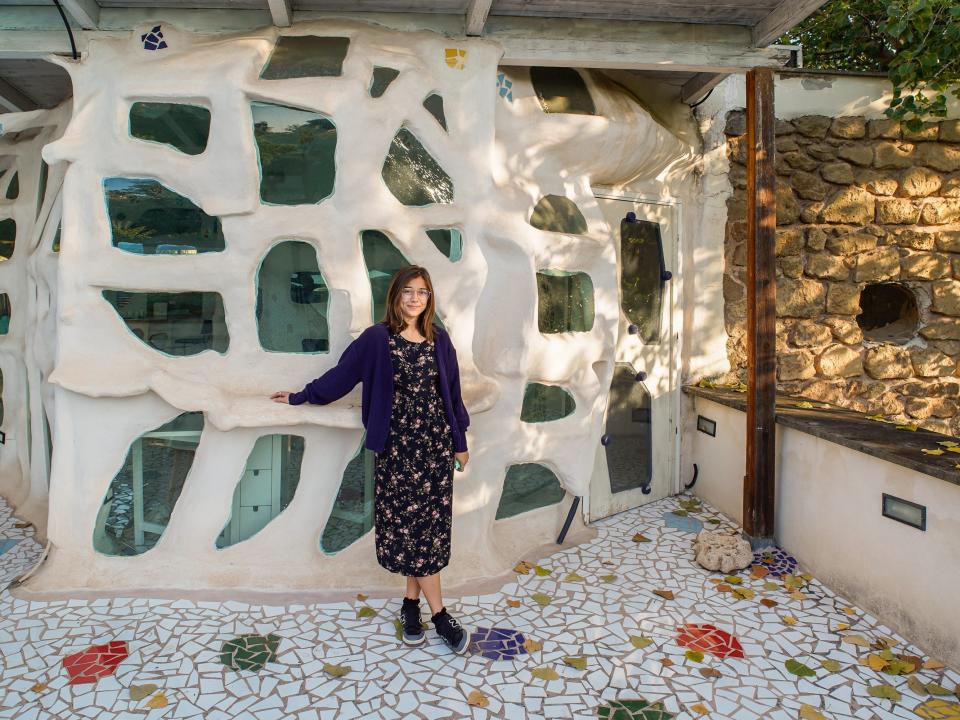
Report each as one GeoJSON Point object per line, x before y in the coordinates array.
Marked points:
{"type": "Point", "coordinates": [788, 14]}
{"type": "Point", "coordinates": [282, 12]}
{"type": "Point", "coordinates": [477, 12]}
{"type": "Point", "coordinates": [86, 13]}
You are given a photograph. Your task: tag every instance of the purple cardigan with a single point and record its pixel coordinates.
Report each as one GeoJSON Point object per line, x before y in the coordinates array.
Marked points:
{"type": "Point", "coordinates": [367, 360]}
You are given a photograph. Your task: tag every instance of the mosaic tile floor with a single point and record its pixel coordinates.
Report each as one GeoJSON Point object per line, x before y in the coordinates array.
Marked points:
{"type": "Point", "coordinates": [625, 627]}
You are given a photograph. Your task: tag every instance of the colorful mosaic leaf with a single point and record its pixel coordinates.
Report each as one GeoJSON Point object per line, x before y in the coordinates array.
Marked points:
{"type": "Point", "coordinates": [709, 639]}
{"type": "Point", "coordinates": [498, 643]}
{"type": "Point", "coordinates": [638, 709]}
{"type": "Point", "coordinates": [455, 58]}
{"type": "Point", "coordinates": [95, 662]}
{"type": "Point", "coordinates": [250, 652]}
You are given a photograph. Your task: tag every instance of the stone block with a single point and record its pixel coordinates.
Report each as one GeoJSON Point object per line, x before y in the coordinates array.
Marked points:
{"type": "Point", "coordinates": [799, 161]}
{"type": "Point", "coordinates": [845, 331]}
{"type": "Point", "coordinates": [733, 291]}
{"type": "Point", "coordinates": [948, 347]}
{"type": "Point", "coordinates": [950, 131]}
{"type": "Point", "coordinates": [876, 182]}
{"type": "Point", "coordinates": [949, 241]}
{"type": "Point", "coordinates": [788, 209]}
{"type": "Point", "coordinates": [783, 127]}
{"type": "Point", "coordinates": [940, 211]}
{"type": "Point", "coordinates": [811, 213]}
{"type": "Point", "coordinates": [736, 231]}
{"type": "Point", "coordinates": [946, 297]}
{"type": "Point", "coordinates": [920, 182]}
{"type": "Point", "coordinates": [822, 151]}
{"type": "Point", "coordinates": [850, 205]}
{"type": "Point", "coordinates": [809, 186]}
{"type": "Point", "coordinates": [839, 361]}
{"type": "Point", "coordinates": [930, 362]}
{"type": "Point", "coordinates": [951, 185]}
{"type": "Point", "coordinates": [786, 144]}
{"type": "Point", "coordinates": [922, 408]}
{"type": "Point", "coordinates": [916, 239]}
{"type": "Point", "coordinates": [857, 153]}
{"type": "Point", "coordinates": [791, 267]}
{"type": "Point", "coordinates": [850, 128]}
{"type": "Point", "coordinates": [888, 362]}
{"type": "Point", "coordinates": [790, 241]}
{"type": "Point", "coordinates": [896, 155]}
{"type": "Point", "coordinates": [816, 238]}
{"type": "Point", "coordinates": [737, 150]}
{"type": "Point", "coordinates": [938, 156]}
{"type": "Point", "coordinates": [738, 177]}
{"type": "Point", "coordinates": [876, 265]}
{"type": "Point", "coordinates": [897, 211]}
{"type": "Point", "coordinates": [840, 173]}
{"type": "Point", "coordinates": [955, 262]}
{"type": "Point", "coordinates": [795, 366]}
{"type": "Point", "coordinates": [826, 267]}
{"type": "Point", "coordinates": [813, 126]}
{"type": "Point", "coordinates": [883, 129]}
{"type": "Point", "coordinates": [806, 333]}
{"type": "Point", "coordinates": [736, 123]}
{"type": "Point", "coordinates": [825, 391]}
{"type": "Point", "coordinates": [800, 298]}
{"type": "Point", "coordinates": [924, 266]}
{"type": "Point", "coordinates": [929, 131]}
{"type": "Point", "coordinates": [843, 299]}
{"type": "Point", "coordinates": [942, 329]}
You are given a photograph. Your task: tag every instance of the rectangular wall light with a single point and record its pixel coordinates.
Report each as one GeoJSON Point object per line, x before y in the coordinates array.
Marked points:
{"type": "Point", "coordinates": [707, 426]}
{"type": "Point", "coordinates": [905, 511]}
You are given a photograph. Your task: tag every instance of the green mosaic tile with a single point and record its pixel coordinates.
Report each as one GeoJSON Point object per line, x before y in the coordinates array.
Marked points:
{"type": "Point", "coordinates": [638, 709]}
{"type": "Point", "coordinates": [250, 652]}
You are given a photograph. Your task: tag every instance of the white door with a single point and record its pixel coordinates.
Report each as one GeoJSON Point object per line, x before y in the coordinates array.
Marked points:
{"type": "Point", "coordinates": [636, 458]}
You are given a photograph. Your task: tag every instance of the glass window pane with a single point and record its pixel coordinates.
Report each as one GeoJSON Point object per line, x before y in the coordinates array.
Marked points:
{"type": "Point", "coordinates": [44, 171]}
{"type": "Point", "coordinates": [412, 175]}
{"type": "Point", "coordinates": [175, 323]}
{"type": "Point", "coordinates": [641, 290]}
{"type": "Point", "coordinates": [562, 90]}
{"type": "Point", "coordinates": [630, 448]}
{"type": "Point", "coordinates": [558, 214]}
{"type": "Point", "coordinates": [352, 514]}
{"type": "Point", "coordinates": [265, 489]}
{"type": "Point", "coordinates": [381, 79]}
{"type": "Point", "coordinates": [142, 495]}
{"type": "Point", "coordinates": [565, 301]}
{"type": "Point", "coordinates": [528, 486]}
{"type": "Point", "coordinates": [434, 105]}
{"type": "Point", "coordinates": [297, 150]}
{"type": "Point", "coordinates": [147, 218]}
{"type": "Point", "coordinates": [56, 239]}
{"type": "Point", "coordinates": [13, 189]}
{"type": "Point", "coordinates": [1, 397]}
{"type": "Point", "coordinates": [449, 241]}
{"type": "Point", "coordinates": [185, 127]}
{"type": "Point", "coordinates": [292, 300]}
{"type": "Point", "coordinates": [8, 238]}
{"type": "Point", "coordinates": [306, 56]}
{"type": "Point", "coordinates": [5, 312]}
{"type": "Point", "coordinates": [542, 403]}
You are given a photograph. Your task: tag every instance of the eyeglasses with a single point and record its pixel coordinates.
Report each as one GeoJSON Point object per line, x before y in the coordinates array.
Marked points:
{"type": "Point", "coordinates": [409, 293]}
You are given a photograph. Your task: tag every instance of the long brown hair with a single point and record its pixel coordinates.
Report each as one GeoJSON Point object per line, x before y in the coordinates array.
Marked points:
{"type": "Point", "coordinates": [393, 318]}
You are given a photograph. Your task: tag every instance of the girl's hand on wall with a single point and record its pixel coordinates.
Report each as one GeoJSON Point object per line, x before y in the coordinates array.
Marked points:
{"type": "Point", "coordinates": [462, 459]}
{"type": "Point", "coordinates": [281, 397]}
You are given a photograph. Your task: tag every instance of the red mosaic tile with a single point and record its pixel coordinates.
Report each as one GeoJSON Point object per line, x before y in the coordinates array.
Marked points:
{"type": "Point", "coordinates": [709, 639]}
{"type": "Point", "coordinates": [97, 661]}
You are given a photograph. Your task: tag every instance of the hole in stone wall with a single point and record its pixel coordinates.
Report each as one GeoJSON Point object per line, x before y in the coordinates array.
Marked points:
{"type": "Point", "coordinates": [297, 56]}
{"type": "Point", "coordinates": [381, 79]}
{"type": "Point", "coordinates": [412, 175]}
{"type": "Point", "coordinates": [434, 105]}
{"type": "Point", "coordinates": [56, 239]}
{"type": "Point", "coordinates": [555, 213]}
{"type": "Point", "coordinates": [562, 90]}
{"type": "Point", "coordinates": [8, 238]}
{"type": "Point", "coordinates": [292, 300]}
{"type": "Point", "coordinates": [449, 241]}
{"type": "Point", "coordinates": [889, 312]}
{"type": "Point", "coordinates": [352, 514]}
{"type": "Point", "coordinates": [44, 172]}
{"type": "Point", "coordinates": [184, 127]}
{"type": "Point", "coordinates": [5, 312]}
{"type": "Point", "coordinates": [13, 189]}
{"type": "Point", "coordinates": [528, 486]}
{"type": "Point", "coordinates": [564, 302]}
{"type": "Point", "coordinates": [542, 403]}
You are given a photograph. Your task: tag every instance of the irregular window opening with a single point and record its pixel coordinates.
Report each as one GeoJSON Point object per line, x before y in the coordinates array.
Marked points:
{"type": "Point", "coordinates": [1, 397]}
{"type": "Point", "coordinates": [6, 311]}
{"type": "Point", "coordinates": [434, 105]}
{"type": "Point", "coordinates": [297, 154]}
{"type": "Point", "coordinates": [528, 486]}
{"type": "Point", "coordinates": [293, 301]}
{"type": "Point", "coordinates": [555, 213]}
{"type": "Point", "coordinates": [888, 313]}
{"type": "Point", "coordinates": [352, 514]}
{"type": "Point", "coordinates": [561, 90]}
{"type": "Point", "coordinates": [175, 323]}
{"type": "Point", "coordinates": [44, 171]}
{"type": "Point", "coordinates": [296, 56]}
{"type": "Point", "coordinates": [629, 432]}
{"type": "Point", "coordinates": [449, 241]}
{"type": "Point", "coordinates": [56, 239]}
{"type": "Point", "coordinates": [142, 495]}
{"type": "Point", "coordinates": [565, 301]}
{"type": "Point", "coordinates": [381, 79]}
{"type": "Point", "coordinates": [641, 283]}
{"type": "Point", "coordinates": [13, 189]}
{"type": "Point", "coordinates": [8, 238]}
{"type": "Point", "coordinates": [184, 127]}
{"type": "Point", "coordinates": [147, 218]}
{"type": "Point", "coordinates": [543, 403]}
{"type": "Point", "coordinates": [267, 486]}
{"type": "Point", "coordinates": [412, 175]}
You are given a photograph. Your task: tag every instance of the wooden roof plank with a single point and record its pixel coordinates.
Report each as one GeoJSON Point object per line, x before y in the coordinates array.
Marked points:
{"type": "Point", "coordinates": [282, 12]}
{"type": "Point", "coordinates": [788, 14]}
{"type": "Point", "coordinates": [477, 13]}
{"type": "Point", "coordinates": [13, 100]}
{"type": "Point", "coordinates": [86, 13]}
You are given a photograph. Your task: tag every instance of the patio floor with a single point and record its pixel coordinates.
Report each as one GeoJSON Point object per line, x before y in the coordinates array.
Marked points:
{"type": "Point", "coordinates": [626, 626]}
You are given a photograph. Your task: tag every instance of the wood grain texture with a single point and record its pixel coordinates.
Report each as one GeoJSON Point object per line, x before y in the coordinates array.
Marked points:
{"type": "Point", "coordinates": [477, 13]}
{"type": "Point", "coordinates": [44, 83]}
{"type": "Point", "coordinates": [732, 12]}
{"type": "Point", "coordinates": [12, 99]}
{"type": "Point", "coordinates": [697, 87]}
{"type": "Point", "coordinates": [786, 15]}
{"type": "Point", "coordinates": [281, 11]}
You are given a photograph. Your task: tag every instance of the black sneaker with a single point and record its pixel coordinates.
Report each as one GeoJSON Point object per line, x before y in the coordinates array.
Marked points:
{"type": "Point", "coordinates": [412, 624]}
{"type": "Point", "coordinates": [452, 633]}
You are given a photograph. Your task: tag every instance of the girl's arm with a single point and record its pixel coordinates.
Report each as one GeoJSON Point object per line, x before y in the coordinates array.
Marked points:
{"type": "Point", "coordinates": [336, 382]}
{"type": "Point", "coordinates": [459, 410]}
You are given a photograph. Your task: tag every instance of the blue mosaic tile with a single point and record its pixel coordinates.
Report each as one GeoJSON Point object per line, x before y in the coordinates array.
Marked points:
{"type": "Point", "coordinates": [779, 562]}
{"type": "Point", "coordinates": [6, 544]}
{"type": "Point", "coordinates": [683, 523]}
{"type": "Point", "coordinates": [497, 643]}
{"type": "Point", "coordinates": [153, 40]}
{"type": "Point", "coordinates": [505, 87]}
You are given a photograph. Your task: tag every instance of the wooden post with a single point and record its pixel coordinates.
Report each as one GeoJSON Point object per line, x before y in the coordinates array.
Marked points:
{"type": "Point", "coordinates": [758, 485]}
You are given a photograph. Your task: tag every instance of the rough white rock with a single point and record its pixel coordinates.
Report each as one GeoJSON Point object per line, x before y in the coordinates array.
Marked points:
{"type": "Point", "coordinates": [722, 551]}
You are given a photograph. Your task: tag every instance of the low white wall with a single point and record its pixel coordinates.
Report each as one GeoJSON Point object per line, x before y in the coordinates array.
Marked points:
{"type": "Point", "coordinates": [828, 515]}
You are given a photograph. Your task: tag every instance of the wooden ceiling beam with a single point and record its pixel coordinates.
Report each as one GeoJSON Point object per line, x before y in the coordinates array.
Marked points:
{"type": "Point", "coordinates": [86, 13]}
{"type": "Point", "coordinates": [697, 87]}
{"type": "Point", "coordinates": [13, 99]}
{"type": "Point", "coordinates": [477, 12]}
{"type": "Point", "coordinates": [282, 12]}
{"type": "Point", "coordinates": [787, 15]}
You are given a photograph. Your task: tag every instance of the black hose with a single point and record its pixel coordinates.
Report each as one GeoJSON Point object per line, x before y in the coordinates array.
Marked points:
{"type": "Point", "coordinates": [73, 44]}
{"type": "Point", "coordinates": [566, 524]}
{"type": "Point", "coordinates": [696, 472]}
{"type": "Point", "coordinates": [695, 105]}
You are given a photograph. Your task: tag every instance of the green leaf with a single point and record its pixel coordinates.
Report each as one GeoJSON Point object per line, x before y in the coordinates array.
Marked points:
{"type": "Point", "coordinates": [542, 571]}
{"type": "Point", "coordinates": [887, 692]}
{"type": "Point", "coordinates": [830, 665]}
{"type": "Point", "coordinates": [545, 673]}
{"type": "Point", "coordinates": [799, 669]}
{"type": "Point", "coordinates": [640, 642]}
{"type": "Point", "coordinates": [542, 599]}
{"type": "Point", "coordinates": [366, 612]}
{"type": "Point", "coordinates": [336, 670]}
{"type": "Point", "coordinates": [694, 656]}
{"type": "Point", "coordinates": [580, 663]}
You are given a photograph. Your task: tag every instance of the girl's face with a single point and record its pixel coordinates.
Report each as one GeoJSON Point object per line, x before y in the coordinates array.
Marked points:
{"type": "Point", "coordinates": [413, 299]}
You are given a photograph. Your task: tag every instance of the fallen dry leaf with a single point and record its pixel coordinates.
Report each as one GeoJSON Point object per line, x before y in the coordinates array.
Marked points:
{"type": "Point", "coordinates": [723, 587]}
{"type": "Point", "coordinates": [809, 712]}
{"type": "Point", "coordinates": [858, 640]}
{"type": "Point", "coordinates": [361, 597]}
{"type": "Point", "coordinates": [758, 571]}
{"type": "Point", "coordinates": [830, 665]}
{"type": "Point", "coordinates": [638, 538]}
{"type": "Point", "coordinates": [848, 611]}
{"type": "Point", "coordinates": [39, 687]}
{"type": "Point", "coordinates": [523, 567]}
{"type": "Point", "coordinates": [790, 620]}
{"type": "Point", "coordinates": [699, 709]}
{"type": "Point", "coordinates": [710, 673]}
{"type": "Point", "coordinates": [542, 571]}
{"type": "Point", "coordinates": [665, 594]}
{"type": "Point", "coordinates": [608, 578]}
{"type": "Point", "coordinates": [336, 670]}
{"type": "Point", "coordinates": [545, 673]}
{"type": "Point", "coordinates": [139, 692]}
{"type": "Point", "coordinates": [366, 612]}
{"type": "Point", "coordinates": [743, 593]}
{"type": "Point", "coordinates": [640, 642]}
{"type": "Point", "coordinates": [541, 599]}
{"type": "Point", "coordinates": [770, 586]}
{"type": "Point", "coordinates": [477, 699]}
{"type": "Point", "coordinates": [933, 665]}
{"type": "Point", "coordinates": [877, 663]}
{"type": "Point", "coordinates": [666, 662]}
{"type": "Point", "coordinates": [574, 577]}
{"type": "Point", "coordinates": [532, 646]}
{"type": "Point", "coordinates": [917, 686]}
{"type": "Point", "coordinates": [797, 595]}
{"type": "Point", "coordinates": [841, 627]}
{"type": "Point", "coordinates": [157, 701]}
{"type": "Point", "coordinates": [767, 602]}
{"type": "Point", "coordinates": [580, 663]}
{"type": "Point", "coordinates": [513, 603]}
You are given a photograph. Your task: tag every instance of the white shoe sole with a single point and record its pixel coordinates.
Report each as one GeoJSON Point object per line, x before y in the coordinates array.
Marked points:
{"type": "Point", "coordinates": [414, 641]}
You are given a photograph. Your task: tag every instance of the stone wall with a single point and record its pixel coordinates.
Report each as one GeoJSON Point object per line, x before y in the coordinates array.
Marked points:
{"type": "Point", "coordinates": [859, 202]}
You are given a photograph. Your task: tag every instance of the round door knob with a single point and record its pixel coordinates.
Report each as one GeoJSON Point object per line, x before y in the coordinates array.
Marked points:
{"type": "Point", "coordinates": [632, 329]}
{"type": "Point", "coordinates": [640, 376]}
{"type": "Point", "coordinates": [605, 440]}
{"type": "Point", "coordinates": [666, 275]}
{"type": "Point", "coordinates": [646, 489]}
{"type": "Point", "coordinates": [631, 217]}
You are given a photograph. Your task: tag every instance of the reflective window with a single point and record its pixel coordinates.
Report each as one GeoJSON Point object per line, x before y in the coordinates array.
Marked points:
{"type": "Point", "coordinates": [558, 214]}
{"type": "Point", "coordinates": [562, 90]}
{"type": "Point", "coordinates": [147, 218]}
{"type": "Point", "coordinates": [528, 486]}
{"type": "Point", "coordinates": [352, 514]}
{"type": "Point", "coordinates": [44, 172]}
{"type": "Point", "coordinates": [292, 300]}
{"type": "Point", "coordinates": [449, 241]}
{"type": "Point", "coordinates": [434, 105]}
{"type": "Point", "coordinates": [542, 403]}
{"type": "Point", "coordinates": [565, 301]}
{"type": "Point", "coordinates": [265, 489]}
{"type": "Point", "coordinates": [185, 127]}
{"type": "Point", "coordinates": [138, 503]}
{"type": "Point", "coordinates": [381, 79]}
{"type": "Point", "coordinates": [383, 260]}
{"type": "Point", "coordinates": [412, 175]}
{"type": "Point", "coordinates": [641, 289]}
{"type": "Point", "coordinates": [175, 323]}
{"type": "Point", "coordinates": [1, 397]}
{"type": "Point", "coordinates": [5, 313]}
{"type": "Point", "coordinates": [296, 149]}
{"type": "Point", "coordinates": [629, 450]}
{"type": "Point", "coordinates": [8, 238]}
{"type": "Point", "coordinates": [56, 239]}
{"type": "Point", "coordinates": [306, 56]}
{"type": "Point", "coordinates": [13, 189]}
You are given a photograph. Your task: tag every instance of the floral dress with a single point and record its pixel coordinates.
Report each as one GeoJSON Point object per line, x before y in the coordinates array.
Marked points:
{"type": "Point", "coordinates": [413, 499]}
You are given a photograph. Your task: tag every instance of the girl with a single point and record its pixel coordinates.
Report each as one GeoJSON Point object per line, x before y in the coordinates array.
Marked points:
{"type": "Point", "coordinates": [416, 423]}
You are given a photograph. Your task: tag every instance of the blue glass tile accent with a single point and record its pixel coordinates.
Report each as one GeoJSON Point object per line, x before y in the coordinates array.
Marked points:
{"type": "Point", "coordinates": [497, 643]}
{"type": "Point", "coordinates": [683, 523]}
{"type": "Point", "coordinates": [778, 561]}
{"type": "Point", "coordinates": [505, 87]}
{"type": "Point", "coordinates": [153, 40]}
{"type": "Point", "coordinates": [6, 544]}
